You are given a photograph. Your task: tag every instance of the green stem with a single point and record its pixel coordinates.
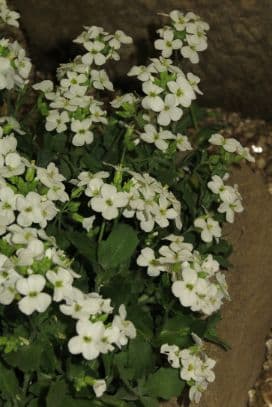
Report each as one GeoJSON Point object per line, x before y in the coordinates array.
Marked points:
{"type": "Point", "coordinates": [101, 231]}
{"type": "Point", "coordinates": [193, 117]}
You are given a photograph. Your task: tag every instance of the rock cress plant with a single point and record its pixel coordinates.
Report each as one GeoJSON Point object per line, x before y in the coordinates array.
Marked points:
{"type": "Point", "coordinates": [112, 252]}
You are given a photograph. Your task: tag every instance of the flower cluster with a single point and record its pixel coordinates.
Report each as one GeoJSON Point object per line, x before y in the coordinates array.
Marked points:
{"type": "Point", "coordinates": [196, 280]}
{"type": "Point", "coordinates": [187, 33]}
{"type": "Point", "coordinates": [28, 192]}
{"type": "Point", "coordinates": [141, 196]}
{"type": "Point", "coordinates": [15, 66]}
{"type": "Point", "coordinates": [72, 106]}
{"type": "Point", "coordinates": [196, 368]}
{"type": "Point", "coordinates": [229, 197]}
{"type": "Point", "coordinates": [8, 16]}
{"type": "Point", "coordinates": [231, 145]}
{"type": "Point", "coordinates": [168, 92]}
{"type": "Point", "coordinates": [100, 45]}
{"type": "Point", "coordinates": [38, 273]}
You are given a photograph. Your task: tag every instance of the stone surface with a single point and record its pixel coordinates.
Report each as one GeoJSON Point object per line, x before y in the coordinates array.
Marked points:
{"type": "Point", "coordinates": [236, 69]}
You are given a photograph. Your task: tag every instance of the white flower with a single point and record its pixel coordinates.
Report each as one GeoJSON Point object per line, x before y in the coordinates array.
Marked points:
{"type": "Point", "coordinates": [179, 20]}
{"type": "Point", "coordinates": [194, 81]}
{"type": "Point", "coordinates": [183, 144]}
{"type": "Point", "coordinates": [76, 305]}
{"type": "Point", "coordinates": [183, 91]}
{"type": "Point", "coordinates": [22, 235]}
{"type": "Point", "coordinates": [170, 111]}
{"type": "Point", "coordinates": [34, 250]}
{"type": "Point", "coordinates": [88, 339]}
{"type": "Point", "coordinates": [29, 208]}
{"type": "Point", "coordinates": [143, 73]}
{"type": "Point", "coordinates": [73, 81]}
{"type": "Point", "coordinates": [50, 175]}
{"type": "Point", "coordinates": [229, 144]}
{"type": "Point", "coordinates": [186, 290]}
{"type": "Point", "coordinates": [152, 135]}
{"type": "Point", "coordinates": [120, 100]}
{"type": "Point", "coordinates": [173, 354]}
{"type": "Point", "coordinates": [14, 165]}
{"type": "Point", "coordinates": [83, 133]}
{"type": "Point", "coordinates": [57, 193]}
{"type": "Point", "coordinates": [126, 328]}
{"type": "Point", "coordinates": [10, 17]}
{"type": "Point", "coordinates": [62, 281]}
{"type": "Point", "coordinates": [85, 177]}
{"type": "Point", "coordinates": [119, 38]}
{"type": "Point", "coordinates": [7, 206]}
{"type": "Point", "coordinates": [8, 288]}
{"type": "Point", "coordinates": [147, 259]}
{"type": "Point", "coordinates": [109, 201]}
{"type": "Point", "coordinates": [209, 227]}
{"type": "Point", "coordinates": [167, 44]}
{"type": "Point", "coordinates": [93, 186]}
{"type": "Point", "coordinates": [230, 207]}
{"type": "Point", "coordinates": [97, 114]}
{"type": "Point", "coordinates": [245, 153]}
{"type": "Point", "coordinates": [191, 367]}
{"type": "Point", "coordinates": [99, 387]}
{"type": "Point", "coordinates": [196, 43]}
{"type": "Point", "coordinates": [94, 55]}
{"type": "Point", "coordinates": [34, 300]}
{"type": "Point", "coordinates": [164, 212]}
{"type": "Point", "coordinates": [196, 391]}
{"type": "Point", "coordinates": [87, 223]}
{"type": "Point", "coordinates": [101, 80]}
{"type": "Point", "coordinates": [57, 120]}
{"type": "Point", "coordinates": [152, 101]}
{"type": "Point", "coordinates": [45, 86]}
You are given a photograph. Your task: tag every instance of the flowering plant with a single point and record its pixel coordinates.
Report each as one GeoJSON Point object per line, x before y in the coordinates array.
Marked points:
{"type": "Point", "coordinates": [112, 254]}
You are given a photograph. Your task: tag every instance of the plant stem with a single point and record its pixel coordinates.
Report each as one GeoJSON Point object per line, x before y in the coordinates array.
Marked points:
{"type": "Point", "coordinates": [101, 231]}
{"type": "Point", "coordinates": [193, 117]}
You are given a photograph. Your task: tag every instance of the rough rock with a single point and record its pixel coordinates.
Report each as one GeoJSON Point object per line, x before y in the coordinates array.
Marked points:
{"type": "Point", "coordinates": [236, 69]}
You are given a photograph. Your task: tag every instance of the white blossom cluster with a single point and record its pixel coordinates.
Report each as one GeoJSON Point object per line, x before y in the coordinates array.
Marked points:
{"type": "Point", "coordinates": [100, 45]}
{"type": "Point", "coordinates": [72, 106]}
{"type": "Point", "coordinates": [39, 273]}
{"type": "Point", "coordinates": [196, 368]}
{"type": "Point", "coordinates": [197, 280]}
{"type": "Point", "coordinates": [15, 66]}
{"type": "Point", "coordinates": [231, 145]}
{"type": "Point", "coordinates": [167, 90]}
{"type": "Point", "coordinates": [229, 197]}
{"type": "Point", "coordinates": [187, 34]}
{"type": "Point", "coordinates": [8, 16]}
{"type": "Point", "coordinates": [142, 196]}
{"type": "Point", "coordinates": [36, 206]}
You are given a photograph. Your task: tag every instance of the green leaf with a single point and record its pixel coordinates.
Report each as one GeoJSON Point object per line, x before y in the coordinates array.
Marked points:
{"type": "Point", "coordinates": [85, 246]}
{"type": "Point", "coordinates": [176, 331]}
{"type": "Point", "coordinates": [140, 357]}
{"type": "Point", "coordinates": [56, 394]}
{"type": "Point", "coordinates": [112, 401]}
{"type": "Point", "coordinates": [118, 248]}
{"type": "Point", "coordinates": [141, 319]}
{"type": "Point", "coordinates": [149, 402]}
{"type": "Point", "coordinates": [26, 358]}
{"type": "Point", "coordinates": [9, 386]}
{"type": "Point", "coordinates": [165, 383]}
